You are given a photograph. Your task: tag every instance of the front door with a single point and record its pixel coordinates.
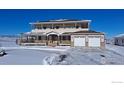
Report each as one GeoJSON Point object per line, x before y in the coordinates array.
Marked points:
{"type": "Point", "coordinates": [53, 40]}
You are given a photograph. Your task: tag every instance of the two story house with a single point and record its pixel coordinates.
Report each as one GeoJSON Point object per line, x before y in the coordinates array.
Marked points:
{"type": "Point", "coordinates": [63, 32]}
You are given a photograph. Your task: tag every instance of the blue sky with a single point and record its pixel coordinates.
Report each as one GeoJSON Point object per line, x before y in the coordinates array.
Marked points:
{"type": "Point", "coordinates": [14, 21]}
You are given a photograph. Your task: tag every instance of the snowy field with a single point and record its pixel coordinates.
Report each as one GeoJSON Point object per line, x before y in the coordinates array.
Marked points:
{"type": "Point", "coordinates": [112, 55]}
{"type": "Point", "coordinates": [23, 57]}
{"type": "Point", "coordinates": [95, 57]}
{"type": "Point", "coordinates": [26, 55]}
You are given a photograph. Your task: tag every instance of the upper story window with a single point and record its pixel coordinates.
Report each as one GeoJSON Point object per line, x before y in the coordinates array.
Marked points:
{"type": "Point", "coordinates": [44, 27]}
{"type": "Point", "coordinates": [62, 25]}
{"type": "Point", "coordinates": [84, 25]}
{"type": "Point", "coordinates": [77, 27]}
{"type": "Point", "coordinates": [122, 40]}
{"type": "Point", "coordinates": [37, 26]}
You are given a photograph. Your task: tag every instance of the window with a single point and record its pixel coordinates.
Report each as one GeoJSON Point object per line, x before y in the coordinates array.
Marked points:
{"type": "Point", "coordinates": [77, 27]}
{"type": "Point", "coordinates": [57, 27]}
{"type": "Point", "coordinates": [39, 37]}
{"type": "Point", "coordinates": [84, 25]}
{"type": "Point", "coordinates": [122, 40]}
{"type": "Point", "coordinates": [66, 38]}
{"type": "Point", "coordinates": [63, 37]}
{"type": "Point", "coordinates": [69, 37]}
{"type": "Point", "coordinates": [44, 27]}
{"type": "Point", "coordinates": [116, 41]}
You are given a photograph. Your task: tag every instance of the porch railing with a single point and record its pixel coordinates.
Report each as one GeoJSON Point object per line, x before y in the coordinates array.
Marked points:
{"type": "Point", "coordinates": [65, 42]}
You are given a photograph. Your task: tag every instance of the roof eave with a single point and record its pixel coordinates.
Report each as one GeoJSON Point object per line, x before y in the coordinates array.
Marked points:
{"type": "Point", "coordinates": [60, 22]}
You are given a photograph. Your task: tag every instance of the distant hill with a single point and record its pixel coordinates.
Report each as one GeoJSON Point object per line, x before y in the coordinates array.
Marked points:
{"type": "Point", "coordinates": [8, 38]}
{"type": "Point", "coordinates": [11, 36]}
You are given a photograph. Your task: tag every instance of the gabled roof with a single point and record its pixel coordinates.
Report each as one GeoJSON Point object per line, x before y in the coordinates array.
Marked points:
{"type": "Point", "coordinates": [52, 32]}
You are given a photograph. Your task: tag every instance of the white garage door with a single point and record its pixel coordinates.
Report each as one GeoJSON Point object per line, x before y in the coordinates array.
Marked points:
{"type": "Point", "coordinates": [79, 41]}
{"type": "Point", "coordinates": [94, 42]}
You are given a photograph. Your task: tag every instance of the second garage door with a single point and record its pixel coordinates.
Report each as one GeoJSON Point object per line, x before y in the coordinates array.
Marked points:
{"type": "Point", "coordinates": [79, 41]}
{"type": "Point", "coordinates": [94, 42]}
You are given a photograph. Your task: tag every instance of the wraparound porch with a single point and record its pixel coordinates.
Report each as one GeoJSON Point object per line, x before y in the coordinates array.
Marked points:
{"type": "Point", "coordinates": [50, 40]}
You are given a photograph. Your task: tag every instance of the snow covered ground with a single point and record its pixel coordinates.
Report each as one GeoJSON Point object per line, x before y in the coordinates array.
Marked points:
{"type": "Point", "coordinates": [7, 42]}
{"type": "Point", "coordinates": [95, 56]}
{"type": "Point", "coordinates": [37, 55]}
{"type": "Point", "coordinates": [25, 55]}
{"type": "Point", "coordinates": [112, 55]}
{"type": "Point", "coordinates": [115, 48]}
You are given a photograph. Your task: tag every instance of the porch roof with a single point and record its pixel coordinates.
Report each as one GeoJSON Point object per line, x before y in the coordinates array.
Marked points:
{"type": "Point", "coordinates": [84, 32]}
{"type": "Point", "coordinates": [33, 33]}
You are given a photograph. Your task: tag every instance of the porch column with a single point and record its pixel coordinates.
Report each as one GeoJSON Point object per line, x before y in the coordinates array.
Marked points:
{"type": "Point", "coordinates": [63, 25]}
{"type": "Point", "coordinates": [75, 25]}
{"type": "Point", "coordinates": [60, 39]}
{"type": "Point", "coordinates": [36, 37]}
{"type": "Point", "coordinates": [26, 37]}
{"type": "Point", "coordinates": [46, 40]}
{"type": "Point", "coordinates": [88, 25]}
{"type": "Point", "coordinates": [41, 26]}
{"type": "Point", "coordinates": [58, 42]}
{"type": "Point", "coordinates": [52, 26]}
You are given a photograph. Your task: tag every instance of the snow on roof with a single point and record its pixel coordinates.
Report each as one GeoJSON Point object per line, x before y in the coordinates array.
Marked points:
{"type": "Point", "coordinates": [120, 35]}
{"type": "Point", "coordinates": [59, 21]}
{"type": "Point", "coordinates": [27, 32]}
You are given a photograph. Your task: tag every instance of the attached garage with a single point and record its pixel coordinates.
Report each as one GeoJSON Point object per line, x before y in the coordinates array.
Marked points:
{"type": "Point", "coordinates": [88, 39]}
{"type": "Point", "coordinates": [79, 41]}
{"type": "Point", "coordinates": [94, 42]}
